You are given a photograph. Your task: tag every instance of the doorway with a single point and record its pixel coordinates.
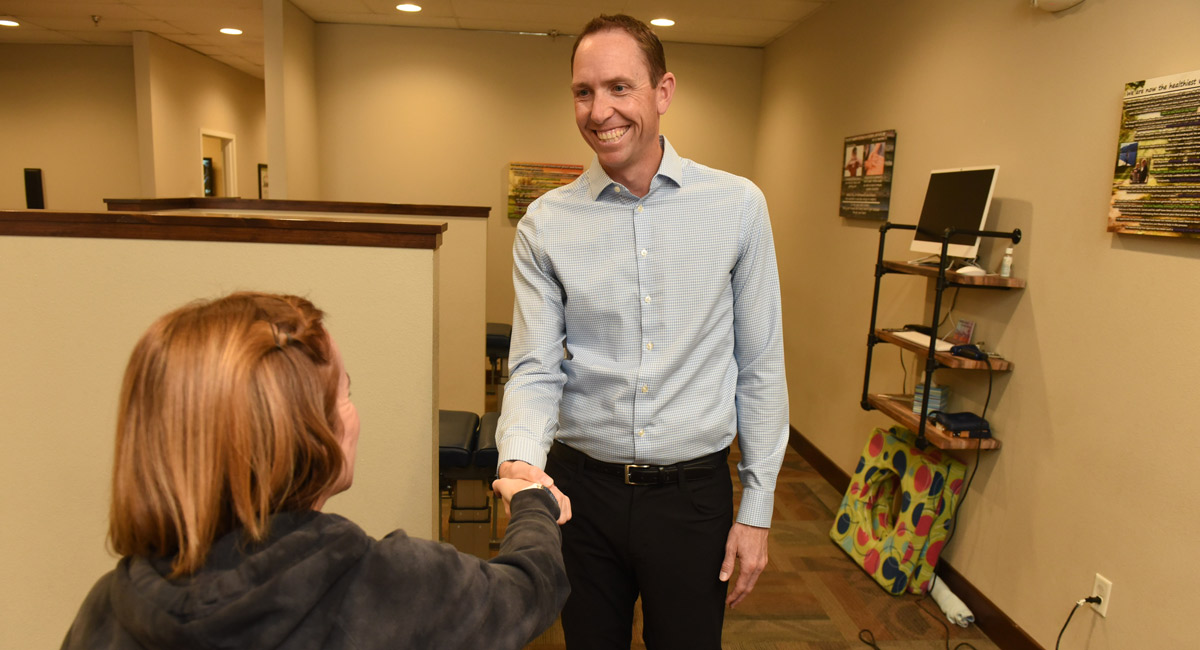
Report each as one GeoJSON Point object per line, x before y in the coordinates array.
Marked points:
{"type": "Point", "coordinates": [219, 177]}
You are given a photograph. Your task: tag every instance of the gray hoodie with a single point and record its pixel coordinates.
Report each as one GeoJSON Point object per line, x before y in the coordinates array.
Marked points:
{"type": "Point", "coordinates": [321, 582]}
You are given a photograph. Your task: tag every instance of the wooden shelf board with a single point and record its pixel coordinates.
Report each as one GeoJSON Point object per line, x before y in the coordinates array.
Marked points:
{"type": "Point", "coordinates": [945, 358]}
{"type": "Point", "coordinates": [899, 408]}
{"type": "Point", "coordinates": [990, 280]}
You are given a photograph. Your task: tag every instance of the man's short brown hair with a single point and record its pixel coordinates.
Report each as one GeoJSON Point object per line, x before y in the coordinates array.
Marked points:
{"type": "Point", "coordinates": [646, 39]}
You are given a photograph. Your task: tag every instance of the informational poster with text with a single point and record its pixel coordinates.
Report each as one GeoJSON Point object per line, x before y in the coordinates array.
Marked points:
{"type": "Point", "coordinates": [1156, 180]}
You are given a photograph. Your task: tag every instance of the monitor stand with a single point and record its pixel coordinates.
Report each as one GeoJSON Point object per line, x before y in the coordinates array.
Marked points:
{"type": "Point", "coordinates": [928, 260]}
{"type": "Point", "coordinates": [955, 264]}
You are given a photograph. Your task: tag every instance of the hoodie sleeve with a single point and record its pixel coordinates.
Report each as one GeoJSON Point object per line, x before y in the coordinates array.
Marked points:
{"type": "Point", "coordinates": [422, 594]}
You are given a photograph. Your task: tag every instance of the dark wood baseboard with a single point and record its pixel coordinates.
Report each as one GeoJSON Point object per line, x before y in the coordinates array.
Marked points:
{"type": "Point", "coordinates": [996, 624]}
{"type": "Point", "coordinates": [829, 470]}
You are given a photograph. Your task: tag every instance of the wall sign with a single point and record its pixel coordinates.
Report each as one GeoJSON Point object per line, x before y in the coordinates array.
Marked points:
{"type": "Point", "coordinates": [527, 181]}
{"type": "Point", "coordinates": [867, 175]}
{"type": "Point", "coordinates": [1156, 184]}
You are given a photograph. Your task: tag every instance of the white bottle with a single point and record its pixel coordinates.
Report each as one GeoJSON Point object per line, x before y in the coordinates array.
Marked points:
{"type": "Point", "coordinates": [1006, 264]}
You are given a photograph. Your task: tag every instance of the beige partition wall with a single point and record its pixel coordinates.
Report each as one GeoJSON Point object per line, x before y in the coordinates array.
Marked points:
{"type": "Point", "coordinates": [462, 284]}
{"type": "Point", "coordinates": [462, 308]}
{"type": "Point", "coordinates": [74, 307]}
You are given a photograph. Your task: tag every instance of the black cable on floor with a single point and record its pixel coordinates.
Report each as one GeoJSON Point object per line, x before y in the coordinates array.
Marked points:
{"type": "Point", "coordinates": [868, 638]}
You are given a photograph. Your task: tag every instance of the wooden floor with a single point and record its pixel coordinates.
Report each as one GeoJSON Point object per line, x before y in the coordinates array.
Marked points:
{"type": "Point", "coordinates": [812, 596]}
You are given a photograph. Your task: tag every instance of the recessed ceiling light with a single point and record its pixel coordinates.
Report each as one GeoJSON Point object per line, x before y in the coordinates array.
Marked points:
{"type": "Point", "coordinates": [8, 21]}
{"type": "Point", "coordinates": [662, 22]}
{"type": "Point", "coordinates": [233, 31]}
{"type": "Point", "coordinates": [409, 8]}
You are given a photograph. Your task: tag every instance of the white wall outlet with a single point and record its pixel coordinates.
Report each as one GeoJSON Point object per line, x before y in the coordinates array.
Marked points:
{"type": "Point", "coordinates": [1103, 589]}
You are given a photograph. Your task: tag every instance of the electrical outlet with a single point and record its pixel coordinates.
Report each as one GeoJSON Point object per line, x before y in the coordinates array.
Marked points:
{"type": "Point", "coordinates": [1103, 589]}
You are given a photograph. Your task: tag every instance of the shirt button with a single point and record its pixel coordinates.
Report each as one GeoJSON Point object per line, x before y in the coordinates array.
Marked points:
{"type": "Point", "coordinates": [617, 189]}
{"type": "Point", "coordinates": [644, 252]}
{"type": "Point", "coordinates": [647, 298]}
{"type": "Point", "coordinates": [641, 432]}
{"type": "Point", "coordinates": [649, 346]}
{"type": "Point", "coordinates": [639, 208]}
{"type": "Point", "coordinates": [645, 388]}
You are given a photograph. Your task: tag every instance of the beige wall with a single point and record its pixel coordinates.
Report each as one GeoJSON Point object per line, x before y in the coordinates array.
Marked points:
{"type": "Point", "coordinates": [82, 305]}
{"type": "Point", "coordinates": [291, 101]}
{"type": "Point", "coordinates": [436, 116]}
{"type": "Point", "coordinates": [182, 92]}
{"type": "Point", "coordinates": [69, 111]}
{"type": "Point", "coordinates": [462, 260]}
{"type": "Point", "coordinates": [1098, 418]}
{"type": "Point", "coordinates": [462, 328]}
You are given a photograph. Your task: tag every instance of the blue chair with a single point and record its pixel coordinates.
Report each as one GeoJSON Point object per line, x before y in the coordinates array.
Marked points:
{"type": "Point", "coordinates": [487, 456]}
{"type": "Point", "coordinates": [458, 433]}
{"type": "Point", "coordinates": [486, 453]}
{"type": "Point", "coordinates": [465, 481]}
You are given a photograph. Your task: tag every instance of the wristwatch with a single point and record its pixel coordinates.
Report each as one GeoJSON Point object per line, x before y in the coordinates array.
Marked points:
{"type": "Point", "coordinates": [536, 486]}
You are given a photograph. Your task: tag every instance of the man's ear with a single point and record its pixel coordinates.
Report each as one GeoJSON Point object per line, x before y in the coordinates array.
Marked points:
{"type": "Point", "coordinates": [665, 92]}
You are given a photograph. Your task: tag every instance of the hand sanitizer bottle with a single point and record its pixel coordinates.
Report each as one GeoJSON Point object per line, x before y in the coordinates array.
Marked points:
{"type": "Point", "coordinates": [1006, 264]}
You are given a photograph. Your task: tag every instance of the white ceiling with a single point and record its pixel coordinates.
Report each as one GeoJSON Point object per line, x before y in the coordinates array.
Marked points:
{"type": "Point", "coordinates": [195, 23]}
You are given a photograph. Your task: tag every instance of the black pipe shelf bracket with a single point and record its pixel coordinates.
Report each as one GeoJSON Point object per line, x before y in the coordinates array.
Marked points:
{"type": "Point", "coordinates": [942, 282]}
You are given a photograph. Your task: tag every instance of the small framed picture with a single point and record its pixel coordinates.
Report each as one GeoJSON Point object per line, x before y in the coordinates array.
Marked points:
{"type": "Point", "coordinates": [962, 332]}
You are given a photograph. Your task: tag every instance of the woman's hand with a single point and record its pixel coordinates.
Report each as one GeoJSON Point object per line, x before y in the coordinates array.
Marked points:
{"type": "Point", "coordinates": [505, 488]}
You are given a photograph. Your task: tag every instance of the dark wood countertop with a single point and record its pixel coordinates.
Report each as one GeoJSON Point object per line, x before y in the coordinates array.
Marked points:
{"type": "Point", "coordinates": [233, 228]}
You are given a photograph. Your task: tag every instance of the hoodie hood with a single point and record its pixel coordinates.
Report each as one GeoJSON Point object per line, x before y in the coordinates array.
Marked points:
{"type": "Point", "coordinates": [244, 597]}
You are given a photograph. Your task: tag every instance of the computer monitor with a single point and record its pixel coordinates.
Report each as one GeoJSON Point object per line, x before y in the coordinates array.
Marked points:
{"type": "Point", "coordinates": [955, 198]}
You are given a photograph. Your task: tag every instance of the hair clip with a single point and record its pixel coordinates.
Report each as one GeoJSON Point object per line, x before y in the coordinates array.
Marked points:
{"type": "Point", "coordinates": [275, 335]}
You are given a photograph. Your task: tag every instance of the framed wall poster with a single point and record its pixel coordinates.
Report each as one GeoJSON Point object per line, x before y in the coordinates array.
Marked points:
{"type": "Point", "coordinates": [262, 182]}
{"type": "Point", "coordinates": [867, 175]}
{"type": "Point", "coordinates": [1156, 180]}
{"type": "Point", "coordinates": [528, 181]}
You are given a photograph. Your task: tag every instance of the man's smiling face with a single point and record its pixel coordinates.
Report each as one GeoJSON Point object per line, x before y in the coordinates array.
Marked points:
{"type": "Point", "coordinates": [617, 108]}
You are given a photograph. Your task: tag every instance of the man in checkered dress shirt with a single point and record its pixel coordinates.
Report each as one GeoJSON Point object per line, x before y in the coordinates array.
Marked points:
{"type": "Point", "coordinates": [647, 331]}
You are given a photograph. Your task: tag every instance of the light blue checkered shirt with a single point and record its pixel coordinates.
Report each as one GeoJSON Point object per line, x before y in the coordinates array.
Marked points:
{"type": "Point", "coordinates": [668, 306]}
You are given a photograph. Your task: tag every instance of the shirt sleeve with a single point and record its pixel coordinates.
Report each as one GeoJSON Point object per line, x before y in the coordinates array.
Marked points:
{"type": "Point", "coordinates": [761, 397]}
{"type": "Point", "coordinates": [533, 392]}
{"type": "Point", "coordinates": [413, 593]}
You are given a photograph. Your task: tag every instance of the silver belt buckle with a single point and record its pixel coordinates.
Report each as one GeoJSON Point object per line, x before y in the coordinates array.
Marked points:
{"type": "Point", "coordinates": [628, 467]}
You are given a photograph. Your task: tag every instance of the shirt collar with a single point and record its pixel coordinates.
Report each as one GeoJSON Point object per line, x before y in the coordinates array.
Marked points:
{"type": "Point", "coordinates": [671, 169]}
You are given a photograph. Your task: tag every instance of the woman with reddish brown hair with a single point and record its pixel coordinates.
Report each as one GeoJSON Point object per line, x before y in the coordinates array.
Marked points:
{"type": "Point", "coordinates": [234, 426]}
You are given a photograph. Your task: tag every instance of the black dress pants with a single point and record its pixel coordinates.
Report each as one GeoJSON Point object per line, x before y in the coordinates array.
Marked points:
{"type": "Point", "coordinates": [664, 542]}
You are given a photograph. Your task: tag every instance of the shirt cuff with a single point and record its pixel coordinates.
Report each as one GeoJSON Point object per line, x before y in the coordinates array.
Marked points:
{"type": "Point", "coordinates": [524, 449]}
{"type": "Point", "coordinates": [756, 508]}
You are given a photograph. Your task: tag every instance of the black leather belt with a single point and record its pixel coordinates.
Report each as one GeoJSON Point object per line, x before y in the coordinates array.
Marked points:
{"type": "Point", "coordinates": [636, 474]}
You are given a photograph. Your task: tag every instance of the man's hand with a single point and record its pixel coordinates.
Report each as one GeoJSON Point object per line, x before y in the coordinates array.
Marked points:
{"type": "Point", "coordinates": [747, 545]}
{"type": "Point", "coordinates": [520, 469]}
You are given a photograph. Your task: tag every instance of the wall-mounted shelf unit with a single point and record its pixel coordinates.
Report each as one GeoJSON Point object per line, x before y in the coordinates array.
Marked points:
{"type": "Point", "coordinates": [900, 407]}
